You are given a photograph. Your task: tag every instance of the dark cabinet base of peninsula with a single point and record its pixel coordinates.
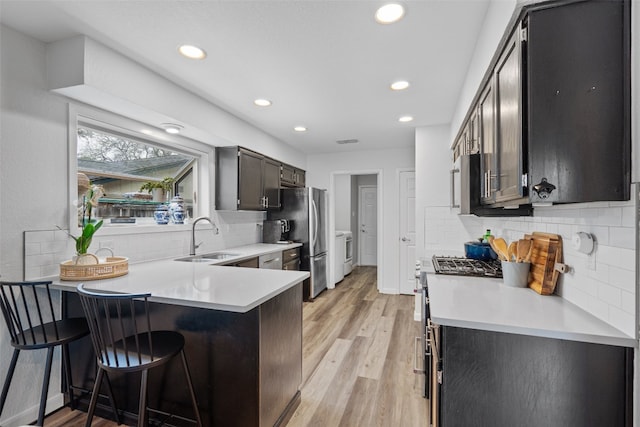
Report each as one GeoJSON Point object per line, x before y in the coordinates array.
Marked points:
{"type": "Point", "coordinates": [246, 367]}
{"type": "Point", "coordinates": [501, 379]}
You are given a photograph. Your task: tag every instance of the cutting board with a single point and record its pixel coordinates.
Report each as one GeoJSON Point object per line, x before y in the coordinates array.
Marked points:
{"type": "Point", "coordinates": [546, 251]}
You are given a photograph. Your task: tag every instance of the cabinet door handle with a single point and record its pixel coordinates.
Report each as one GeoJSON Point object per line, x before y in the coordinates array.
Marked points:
{"type": "Point", "coordinates": [452, 203]}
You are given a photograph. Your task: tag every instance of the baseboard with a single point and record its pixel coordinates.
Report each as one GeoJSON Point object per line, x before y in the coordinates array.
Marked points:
{"type": "Point", "coordinates": [30, 414]}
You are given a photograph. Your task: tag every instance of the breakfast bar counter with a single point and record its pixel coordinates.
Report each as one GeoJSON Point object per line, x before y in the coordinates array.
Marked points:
{"type": "Point", "coordinates": [243, 333]}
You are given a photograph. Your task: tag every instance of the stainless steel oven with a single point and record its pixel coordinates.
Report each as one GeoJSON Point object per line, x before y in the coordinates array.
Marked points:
{"type": "Point", "coordinates": [422, 358]}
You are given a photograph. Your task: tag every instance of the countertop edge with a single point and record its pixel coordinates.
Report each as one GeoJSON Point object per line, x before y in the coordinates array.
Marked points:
{"type": "Point", "coordinates": [543, 333]}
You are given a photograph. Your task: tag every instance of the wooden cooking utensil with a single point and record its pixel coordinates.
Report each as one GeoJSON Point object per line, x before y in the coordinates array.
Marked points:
{"type": "Point", "coordinates": [524, 247]}
{"type": "Point", "coordinates": [491, 240]}
{"type": "Point", "coordinates": [512, 251]}
{"type": "Point", "coordinates": [501, 248]}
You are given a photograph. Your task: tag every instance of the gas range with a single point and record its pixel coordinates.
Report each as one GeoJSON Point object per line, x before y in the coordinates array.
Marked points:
{"type": "Point", "coordinates": [459, 266]}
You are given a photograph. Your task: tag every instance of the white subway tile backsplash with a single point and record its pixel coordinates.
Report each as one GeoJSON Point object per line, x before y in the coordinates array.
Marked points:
{"type": "Point", "coordinates": [617, 257]}
{"type": "Point", "coordinates": [620, 237]}
{"type": "Point", "coordinates": [628, 302]}
{"type": "Point", "coordinates": [45, 250]}
{"type": "Point", "coordinates": [622, 278]}
{"type": "Point", "coordinates": [602, 283]}
{"type": "Point", "coordinates": [610, 294]}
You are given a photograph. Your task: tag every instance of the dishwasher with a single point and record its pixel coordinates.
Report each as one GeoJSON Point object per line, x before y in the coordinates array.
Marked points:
{"type": "Point", "coordinates": [271, 261]}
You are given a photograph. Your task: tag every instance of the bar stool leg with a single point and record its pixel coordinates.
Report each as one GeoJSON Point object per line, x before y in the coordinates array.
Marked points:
{"type": "Point", "coordinates": [7, 381]}
{"type": "Point", "coordinates": [142, 407]}
{"type": "Point", "coordinates": [94, 398]}
{"type": "Point", "coordinates": [190, 384]}
{"type": "Point", "coordinates": [112, 400]}
{"type": "Point", "coordinates": [66, 367]}
{"type": "Point", "coordinates": [45, 386]}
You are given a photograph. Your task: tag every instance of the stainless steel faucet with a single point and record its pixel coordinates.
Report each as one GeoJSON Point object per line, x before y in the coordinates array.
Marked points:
{"type": "Point", "coordinates": [193, 232]}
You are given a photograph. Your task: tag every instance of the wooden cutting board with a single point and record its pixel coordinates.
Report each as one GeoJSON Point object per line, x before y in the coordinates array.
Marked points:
{"type": "Point", "coordinates": [545, 253]}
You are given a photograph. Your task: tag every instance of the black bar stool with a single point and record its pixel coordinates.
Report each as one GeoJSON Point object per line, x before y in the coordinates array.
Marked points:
{"type": "Point", "coordinates": [28, 312]}
{"type": "Point", "coordinates": [124, 342]}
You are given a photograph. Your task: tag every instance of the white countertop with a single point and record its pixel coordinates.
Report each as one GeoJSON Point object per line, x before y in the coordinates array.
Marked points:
{"type": "Point", "coordinates": [487, 304]}
{"type": "Point", "coordinates": [204, 285]}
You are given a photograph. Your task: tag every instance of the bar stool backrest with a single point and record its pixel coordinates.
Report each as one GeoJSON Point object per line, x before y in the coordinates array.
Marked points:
{"type": "Point", "coordinates": [120, 327]}
{"type": "Point", "coordinates": [27, 307]}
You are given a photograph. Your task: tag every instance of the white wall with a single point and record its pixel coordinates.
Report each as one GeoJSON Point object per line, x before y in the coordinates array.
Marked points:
{"type": "Point", "coordinates": [342, 203]}
{"type": "Point", "coordinates": [495, 22]}
{"type": "Point", "coordinates": [323, 167]}
{"type": "Point", "coordinates": [33, 183]}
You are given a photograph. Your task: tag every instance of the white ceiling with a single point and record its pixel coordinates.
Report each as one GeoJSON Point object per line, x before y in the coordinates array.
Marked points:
{"type": "Point", "coordinates": [324, 64]}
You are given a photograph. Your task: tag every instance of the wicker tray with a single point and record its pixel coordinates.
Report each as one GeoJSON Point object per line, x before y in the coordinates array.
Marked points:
{"type": "Point", "coordinates": [114, 266]}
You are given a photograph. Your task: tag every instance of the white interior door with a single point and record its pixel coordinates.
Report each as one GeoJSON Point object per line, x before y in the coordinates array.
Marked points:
{"type": "Point", "coordinates": [368, 229]}
{"type": "Point", "coordinates": [407, 230]}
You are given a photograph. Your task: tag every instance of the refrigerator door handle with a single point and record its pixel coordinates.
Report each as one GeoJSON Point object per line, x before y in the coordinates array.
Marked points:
{"type": "Point", "coordinates": [315, 223]}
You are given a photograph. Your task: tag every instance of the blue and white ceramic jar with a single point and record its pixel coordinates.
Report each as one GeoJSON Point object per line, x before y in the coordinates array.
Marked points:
{"type": "Point", "coordinates": [177, 215]}
{"type": "Point", "coordinates": [161, 214]}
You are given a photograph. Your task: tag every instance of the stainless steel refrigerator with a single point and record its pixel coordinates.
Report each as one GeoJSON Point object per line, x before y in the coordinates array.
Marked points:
{"type": "Point", "coordinates": [307, 210]}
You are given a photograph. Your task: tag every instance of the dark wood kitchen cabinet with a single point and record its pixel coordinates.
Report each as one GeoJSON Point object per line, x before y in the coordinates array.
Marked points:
{"type": "Point", "coordinates": [246, 180]}
{"type": "Point", "coordinates": [500, 379]}
{"type": "Point", "coordinates": [291, 177]}
{"type": "Point", "coordinates": [578, 72]}
{"type": "Point", "coordinates": [554, 107]}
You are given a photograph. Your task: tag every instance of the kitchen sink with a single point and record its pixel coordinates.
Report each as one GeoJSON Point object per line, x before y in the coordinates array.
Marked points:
{"type": "Point", "coordinates": [216, 256]}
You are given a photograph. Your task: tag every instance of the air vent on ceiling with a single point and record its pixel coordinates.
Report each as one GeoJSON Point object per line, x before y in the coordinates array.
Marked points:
{"type": "Point", "coordinates": [347, 141]}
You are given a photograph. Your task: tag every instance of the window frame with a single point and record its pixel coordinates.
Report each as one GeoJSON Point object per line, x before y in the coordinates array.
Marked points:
{"type": "Point", "coordinates": [203, 169]}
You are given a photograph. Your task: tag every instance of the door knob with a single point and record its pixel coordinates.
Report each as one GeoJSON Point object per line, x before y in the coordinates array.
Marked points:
{"type": "Point", "coordinates": [404, 239]}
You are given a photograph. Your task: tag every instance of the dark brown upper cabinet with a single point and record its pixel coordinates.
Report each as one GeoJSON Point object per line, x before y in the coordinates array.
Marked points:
{"type": "Point", "coordinates": [578, 89]}
{"type": "Point", "coordinates": [553, 111]}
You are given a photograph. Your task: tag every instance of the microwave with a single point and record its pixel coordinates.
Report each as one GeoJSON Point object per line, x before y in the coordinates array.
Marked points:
{"type": "Point", "coordinates": [465, 184]}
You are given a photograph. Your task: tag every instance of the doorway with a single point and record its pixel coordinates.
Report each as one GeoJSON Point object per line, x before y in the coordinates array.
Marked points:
{"type": "Point", "coordinates": [367, 225]}
{"type": "Point", "coordinates": [345, 202]}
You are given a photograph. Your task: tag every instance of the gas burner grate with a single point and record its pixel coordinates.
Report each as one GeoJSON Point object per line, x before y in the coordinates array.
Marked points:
{"type": "Point", "coordinates": [458, 266]}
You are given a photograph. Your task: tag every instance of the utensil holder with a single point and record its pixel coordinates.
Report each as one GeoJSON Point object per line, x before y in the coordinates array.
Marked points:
{"type": "Point", "coordinates": [516, 274]}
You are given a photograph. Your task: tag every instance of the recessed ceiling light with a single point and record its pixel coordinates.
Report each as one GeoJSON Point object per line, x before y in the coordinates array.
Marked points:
{"type": "Point", "coordinates": [192, 52]}
{"type": "Point", "coordinates": [405, 119]}
{"type": "Point", "coordinates": [389, 13]}
{"type": "Point", "coordinates": [399, 85]}
{"type": "Point", "coordinates": [262, 102]}
{"type": "Point", "coordinates": [300, 129]}
{"type": "Point", "coordinates": [172, 128]}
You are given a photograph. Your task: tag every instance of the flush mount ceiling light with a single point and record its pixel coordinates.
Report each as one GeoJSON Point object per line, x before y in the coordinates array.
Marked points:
{"type": "Point", "coordinates": [405, 119]}
{"type": "Point", "coordinates": [389, 13]}
{"type": "Point", "coordinates": [172, 128]}
{"type": "Point", "coordinates": [300, 129]}
{"type": "Point", "coordinates": [399, 85]}
{"type": "Point", "coordinates": [262, 102]}
{"type": "Point", "coordinates": [192, 52]}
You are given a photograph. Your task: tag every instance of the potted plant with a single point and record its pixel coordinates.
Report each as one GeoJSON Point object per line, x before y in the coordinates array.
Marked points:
{"type": "Point", "coordinates": [89, 226]}
{"type": "Point", "coordinates": [159, 189]}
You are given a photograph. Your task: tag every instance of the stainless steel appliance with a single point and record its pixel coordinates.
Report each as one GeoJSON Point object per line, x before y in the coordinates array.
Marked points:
{"type": "Point", "coordinates": [466, 267]}
{"type": "Point", "coordinates": [428, 344]}
{"type": "Point", "coordinates": [276, 230]}
{"type": "Point", "coordinates": [306, 208]}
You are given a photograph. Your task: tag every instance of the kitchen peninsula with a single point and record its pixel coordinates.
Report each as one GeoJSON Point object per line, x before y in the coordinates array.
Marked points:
{"type": "Point", "coordinates": [243, 332]}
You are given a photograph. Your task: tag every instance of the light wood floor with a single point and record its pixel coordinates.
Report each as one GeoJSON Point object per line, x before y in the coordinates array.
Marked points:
{"type": "Point", "coordinates": [357, 361]}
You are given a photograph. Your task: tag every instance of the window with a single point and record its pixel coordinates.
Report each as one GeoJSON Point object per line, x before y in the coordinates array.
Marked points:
{"type": "Point", "coordinates": [138, 168]}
